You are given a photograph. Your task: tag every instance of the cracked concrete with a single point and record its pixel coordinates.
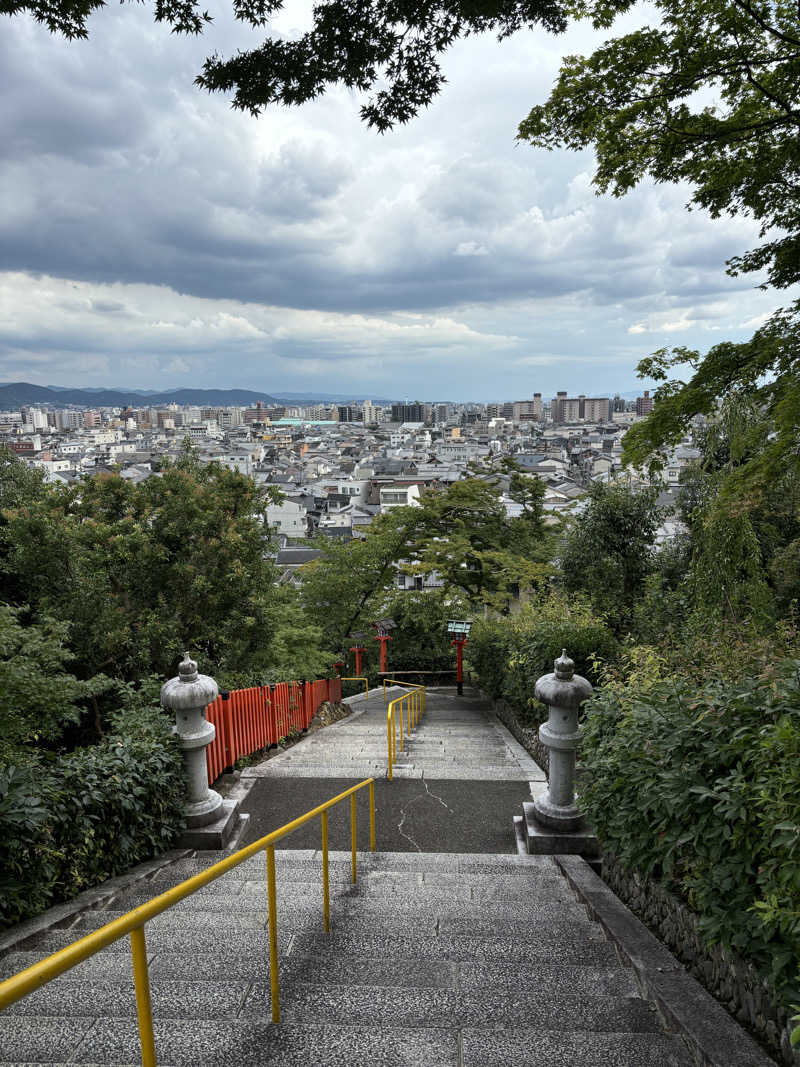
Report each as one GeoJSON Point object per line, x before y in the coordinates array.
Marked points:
{"type": "Point", "coordinates": [401, 824]}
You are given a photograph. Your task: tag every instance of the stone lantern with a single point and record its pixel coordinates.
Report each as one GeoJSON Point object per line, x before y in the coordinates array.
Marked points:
{"type": "Point", "coordinates": [188, 695]}
{"type": "Point", "coordinates": [563, 692]}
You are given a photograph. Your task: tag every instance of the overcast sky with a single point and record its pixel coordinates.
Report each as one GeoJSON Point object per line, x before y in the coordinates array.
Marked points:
{"type": "Point", "coordinates": [151, 237]}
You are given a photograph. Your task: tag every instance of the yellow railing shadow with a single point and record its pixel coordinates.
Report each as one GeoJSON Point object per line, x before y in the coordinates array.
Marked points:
{"type": "Point", "coordinates": [408, 708]}
{"type": "Point", "coordinates": [19, 985]}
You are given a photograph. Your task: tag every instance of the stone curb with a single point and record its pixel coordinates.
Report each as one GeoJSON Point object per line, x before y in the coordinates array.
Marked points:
{"type": "Point", "coordinates": [519, 752]}
{"type": "Point", "coordinates": [90, 898]}
{"type": "Point", "coordinates": [713, 1037]}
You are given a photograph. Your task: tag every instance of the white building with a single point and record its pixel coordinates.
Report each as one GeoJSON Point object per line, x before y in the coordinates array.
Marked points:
{"type": "Point", "coordinates": [288, 517]}
{"type": "Point", "coordinates": [397, 496]}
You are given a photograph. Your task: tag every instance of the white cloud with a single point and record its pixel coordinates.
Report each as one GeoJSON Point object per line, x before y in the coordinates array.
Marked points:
{"type": "Point", "coordinates": [178, 366]}
{"type": "Point", "coordinates": [470, 248]}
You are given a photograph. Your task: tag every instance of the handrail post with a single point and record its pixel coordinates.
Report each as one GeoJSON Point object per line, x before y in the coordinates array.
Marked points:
{"type": "Point", "coordinates": [326, 892]}
{"type": "Point", "coordinates": [353, 833]}
{"type": "Point", "coordinates": [144, 1009]}
{"type": "Point", "coordinates": [372, 816]}
{"type": "Point", "coordinates": [273, 936]}
{"type": "Point", "coordinates": [389, 740]}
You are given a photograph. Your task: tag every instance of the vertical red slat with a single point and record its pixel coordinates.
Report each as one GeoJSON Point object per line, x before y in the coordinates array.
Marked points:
{"type": "Point", "coordinates": [225, 724]}
{"type": "Point", "coordinates": [211, 750]}
{"type": "Point", "coordinates": [269, 714]}
{"type": "Point", "coordinates": [261, 718]}
{"type": "Point", "coordinates": [249, 721]}
{"type": "Point", "coordinates": [236, 722]}
{"type": "Point", "coordinates": [275, 697]}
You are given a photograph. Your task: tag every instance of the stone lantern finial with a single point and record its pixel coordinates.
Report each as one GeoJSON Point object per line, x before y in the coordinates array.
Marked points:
{"type": "Point", "coordinates": [187, 669]}
{"type": "Point", "coordinates": [564, 667]}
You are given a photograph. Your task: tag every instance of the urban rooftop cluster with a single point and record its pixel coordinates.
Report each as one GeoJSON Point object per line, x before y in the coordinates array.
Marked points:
{"type": "Point", "coordinates": [339, 465]}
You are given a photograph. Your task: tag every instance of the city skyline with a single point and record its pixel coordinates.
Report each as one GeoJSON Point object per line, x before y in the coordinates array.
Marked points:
{"type": "Point", "coordinates": [154, 238]}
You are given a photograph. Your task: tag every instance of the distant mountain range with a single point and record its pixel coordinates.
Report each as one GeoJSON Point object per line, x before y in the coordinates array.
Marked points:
{"type": "Point", "coordinates": [17, 394]}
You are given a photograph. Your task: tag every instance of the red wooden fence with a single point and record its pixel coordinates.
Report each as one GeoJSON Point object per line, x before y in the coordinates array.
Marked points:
{"type": "Point", "coordinates": [252, 719]}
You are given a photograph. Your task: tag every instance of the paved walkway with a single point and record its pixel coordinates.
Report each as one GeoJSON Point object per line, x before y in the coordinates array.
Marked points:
{"type": "Point", "coordinates": [458, 738]}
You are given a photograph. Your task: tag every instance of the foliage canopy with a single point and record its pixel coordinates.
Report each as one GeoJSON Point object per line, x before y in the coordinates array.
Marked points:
{"type": "Point", "coordinates": [710, 97]}
{"type": "Point", "coordinates": [389, 48]}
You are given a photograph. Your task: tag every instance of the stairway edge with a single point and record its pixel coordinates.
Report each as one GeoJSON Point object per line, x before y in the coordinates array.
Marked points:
{"type": "Point", "coordinates": [713, 1036]}
{"type": "Point", "coordinates": [90, 899]}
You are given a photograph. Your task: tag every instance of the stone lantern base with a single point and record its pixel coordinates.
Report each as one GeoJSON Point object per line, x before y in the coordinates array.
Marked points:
{"type": "Point", "coordinates": [216, 834]}
{"type": "Point", "coordinates": [204, 812]}
{"type": "Point", "coordinates": [536, 839]}
{"type": "Point", "coordinates": [556, 817]}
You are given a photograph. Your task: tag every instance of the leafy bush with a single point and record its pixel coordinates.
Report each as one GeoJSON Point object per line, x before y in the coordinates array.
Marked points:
{"type": "Point", "coordinates": [89, 815]}
{"type": "Point", "coordinates": [700, 787]}
{"type": "Point", "coordinates": [38, 699]}
{"type": "Point", "coordinates": [509, 655]}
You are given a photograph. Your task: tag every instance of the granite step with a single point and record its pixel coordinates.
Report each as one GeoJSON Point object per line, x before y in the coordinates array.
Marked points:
{"type": "Point", "coordinates": [252, 1043]}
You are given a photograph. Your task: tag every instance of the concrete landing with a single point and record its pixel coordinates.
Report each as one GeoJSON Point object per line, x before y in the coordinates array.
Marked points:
{"type": "Point", "coordinates": [455, 787]}
{"type": "Point", "coordinates": [411, 815]}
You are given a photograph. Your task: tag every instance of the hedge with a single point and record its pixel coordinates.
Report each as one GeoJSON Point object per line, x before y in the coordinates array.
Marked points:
{"type": "Point", "coordinates": [701, 789]}
{"type": "Point", "coordinates": [509, 654]}
{"type": "Point", "coordinates": [90, 814]}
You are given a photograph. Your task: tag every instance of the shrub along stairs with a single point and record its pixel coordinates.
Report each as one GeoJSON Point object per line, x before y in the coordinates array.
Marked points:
{"type": "Point", "coordinates": [434, 958]}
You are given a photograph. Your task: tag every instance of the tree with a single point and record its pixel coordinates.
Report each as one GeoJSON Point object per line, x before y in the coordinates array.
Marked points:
{"type": "Point", "coordinates": [460, 533]}
{"type": "Point", "coordinates": [733, 548]}
{"type": "Point", "coordinates": [608, 552]}
{"type": "Point", "coordinates": [141, 572]}
{"type": "Point", "coordinates": [38, 698]}
{"type": "Point", "coordinates": [464, 535]}
{"type": "Point", "coordinates": [346, 588]}
{"type": "Point", "coordinates": [389, 47]}
{"type": "Point", "coordinates": [421, 641]}
{"type": "Point", "coordinates": [641, 101]}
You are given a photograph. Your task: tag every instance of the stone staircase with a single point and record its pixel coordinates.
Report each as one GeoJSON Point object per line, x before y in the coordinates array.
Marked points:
{"type": "Point", "coordinates": [433, 959]}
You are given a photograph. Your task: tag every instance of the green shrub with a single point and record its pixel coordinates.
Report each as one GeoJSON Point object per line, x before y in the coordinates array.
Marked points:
{"type": "Point", "coordinates": [510, 654]}
{"type": "Point", "coordinates": [700, 787]}
{"type": "Point", "coordinates": [91, 814]}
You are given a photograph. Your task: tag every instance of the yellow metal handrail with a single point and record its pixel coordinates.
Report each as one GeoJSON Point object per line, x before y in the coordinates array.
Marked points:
{"type": "Point", "coordinates": [360, 678]}
{"type": "Point", "coordinates": [19, 985]}
{"type": "Point", "coordinates": [395, 681]}
{"type": "Point", "coordinates": [412, 704]}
